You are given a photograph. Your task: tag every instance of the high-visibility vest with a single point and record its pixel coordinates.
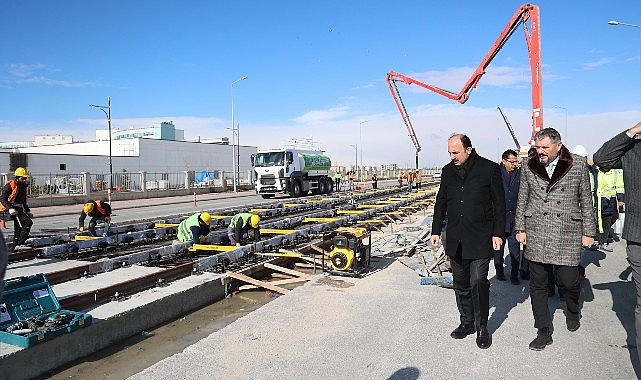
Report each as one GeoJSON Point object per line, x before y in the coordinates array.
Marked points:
{"type": "Point", "coordinates": [608, 185]}
{"type": "Point", "coordinates": [14, 191]}
{"type": "Point", "coordinates": [101, 209]}
{"type": "Point", "coordinates": [184, 228]}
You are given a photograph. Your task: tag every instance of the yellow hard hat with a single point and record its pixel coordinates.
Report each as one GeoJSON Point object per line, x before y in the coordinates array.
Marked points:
{"type": "Point", "coordinates": [87, 208]}
{"type": "Point", "coordinates": [205, 217]}
{"type": "Point", "coordinates": [254, 220]}
{"type": "Point", "coordinates": [21, 172]}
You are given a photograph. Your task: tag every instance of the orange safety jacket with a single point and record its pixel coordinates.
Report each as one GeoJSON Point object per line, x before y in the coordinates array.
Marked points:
{"type": "Point", "coordinates": [14, 191]}
{"type": "Point", "coordinates": [100, 208]}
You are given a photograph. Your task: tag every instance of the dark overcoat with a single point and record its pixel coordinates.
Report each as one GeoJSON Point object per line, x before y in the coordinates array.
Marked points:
{"type": "Point", "coordinates": [474, 206]}
{"type": "Point", "coordinates": [624, 152]}
{"type": "Point", "coordinates": [555, 212]}
{"type": "Point", "coordinates": [511, 188]}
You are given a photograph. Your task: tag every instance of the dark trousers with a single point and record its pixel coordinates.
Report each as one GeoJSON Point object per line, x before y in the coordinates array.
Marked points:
{"type": "Point", "coordinates": [21, 226]}
{"type": "Point", "coordinates": [634, 258]}
{"type": "Point", "coordinates": [472, 289]}
{"type": "Point", "coordinates": [514, 247]}
{"type": "Point", "coordinates": [567, 279]}
{"type": "Point", "coordinates": [606, 223]}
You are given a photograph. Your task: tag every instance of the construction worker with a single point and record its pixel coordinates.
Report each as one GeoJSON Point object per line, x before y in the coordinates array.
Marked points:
{"type": "Point", "coordinates": [410, 180]}
{"type": "Point", "coordinates": [13, 201]}
{"type": "Point", "coordinates": [609, 196]}
{"type": "Point", "coordinates": [401, 175]}
{"type": "Point", "coordinates": [419, 177]}
{"type": "Point", "coordinates": [337, 180]}
{"type": "Point", "coordinates": [240, 226]}
{"type": "Point", "coordinates": [98, 211]}
{"type": "Point", "coordinates": [195, 228]}
{"type": "Point", "coordinates": [374, 181]}
{"type": "Point", "coordinates": [350, 179]}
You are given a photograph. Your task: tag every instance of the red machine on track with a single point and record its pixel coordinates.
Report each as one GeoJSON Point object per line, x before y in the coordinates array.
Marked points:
{"type": "Point", "coordinates": [526, 13]}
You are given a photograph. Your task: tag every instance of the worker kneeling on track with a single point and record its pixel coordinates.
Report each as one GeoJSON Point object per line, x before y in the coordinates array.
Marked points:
{"type": "Point", "coordinates": [98, 211]}
{"type": "Point", "coordinates": [13, 203]}
{"type": "Point", "coordinates": [241, 226]}
{"type": "Point", "coordinates": [195, 228]}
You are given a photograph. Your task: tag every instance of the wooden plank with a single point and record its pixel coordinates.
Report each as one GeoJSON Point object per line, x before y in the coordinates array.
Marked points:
{"type": "Point", "coordinates": [286, 270]}
{"type": "Point", "coordinates": [253, 281]}
{"type": "Point", "coordinates": [277, 282]}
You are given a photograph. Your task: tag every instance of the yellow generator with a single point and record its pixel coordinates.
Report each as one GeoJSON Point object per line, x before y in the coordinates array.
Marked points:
{"type": "Point", "coordinates": [350, 254]}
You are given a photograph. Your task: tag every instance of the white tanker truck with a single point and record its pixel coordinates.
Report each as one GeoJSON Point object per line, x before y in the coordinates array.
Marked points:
{"type": "Point", "coordinates": [292, 171]}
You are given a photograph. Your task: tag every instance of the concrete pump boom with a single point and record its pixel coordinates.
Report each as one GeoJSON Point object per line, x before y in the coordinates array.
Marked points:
{"type": "Point", "coordinates": [525, 13]}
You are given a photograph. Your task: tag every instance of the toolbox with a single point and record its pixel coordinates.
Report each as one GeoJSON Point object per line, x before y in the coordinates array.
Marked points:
{"type": "Point", "coordinates": [30, 312]}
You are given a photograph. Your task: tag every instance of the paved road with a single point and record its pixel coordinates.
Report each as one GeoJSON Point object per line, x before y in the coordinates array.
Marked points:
{"type": "Point", "coordinates": [387, 326]}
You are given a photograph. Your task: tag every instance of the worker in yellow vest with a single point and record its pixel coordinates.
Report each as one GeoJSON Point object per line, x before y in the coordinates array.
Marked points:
{"type": "Point", "coordinates": [609, 196]}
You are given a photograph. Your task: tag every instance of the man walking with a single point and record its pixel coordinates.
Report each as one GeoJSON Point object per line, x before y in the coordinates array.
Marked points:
{"type": "Point", "coordinates": [471, 196]}
{"type": "Point", "coordinates": [13, 200]}
{"type": "Point", "coordinates": [511, 179]}
{"type": "Point", "coordinates": [623, 151]}
{"type": "Point", "coordinates": [554, 218]}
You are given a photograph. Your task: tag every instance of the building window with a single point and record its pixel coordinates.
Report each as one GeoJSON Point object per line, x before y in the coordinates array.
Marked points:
{"type": "Point", "coordinates": [63, 166]}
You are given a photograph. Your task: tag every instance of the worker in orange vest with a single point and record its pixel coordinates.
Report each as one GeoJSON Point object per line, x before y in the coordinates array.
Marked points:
{"type": "Point", "coordinates": [400, 178]}
{"type": "Point", "coordinates": [13, 200]}
{"type": "Point", "coordinates": [98, 211]}
{"type": "Point", "coordinates": [419, 176]}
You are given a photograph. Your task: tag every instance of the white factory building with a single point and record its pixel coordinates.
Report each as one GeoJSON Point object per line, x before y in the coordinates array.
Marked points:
{"type": "Point", "coordinates": [157, 149]}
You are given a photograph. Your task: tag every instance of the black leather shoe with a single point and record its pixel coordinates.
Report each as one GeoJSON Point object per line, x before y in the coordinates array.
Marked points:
{"type": "Point", "coordinates": [483, 338]}
{"type": "Point", "coordinates": [573, 324]}
{"type": "Point", "coordinates": [462, 331]}
{"type": "Point", "coordinates": [540, 342]}
{"type": "Point", "coordinates": [500, 277]}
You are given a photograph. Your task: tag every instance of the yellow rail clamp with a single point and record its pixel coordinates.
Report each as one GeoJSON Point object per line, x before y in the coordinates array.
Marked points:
{"type": "Point", "coordinates": [385, 202]}
{"type": "Point", "coordinates": [279, 254]}
{"type": "Point", "coordinates": [258, 209]}
{"type": "Point", "coordinates": [221, 216]}
{"type": "Point", "coordinates": [348, 212]}
{"type": "Point", "coordinates": [397, 199]}
{"type": "Point", "coordinates": [85, 237]}
{"type": "Point", "coordinates": [369, 206]}
{"type": "Point", "coordinates": [275, 231]}
{"type": "Point", "coordinates": [319, 220]}
{"type": "Point", "coordinates": [408, 207]}
{"type": "Point", "coordinates": [161, 225]}
{"type": "Point", "coordinates": [393, 213]}
{"type": "Point", "coordinates": [371, 221]}
{"type": "Point", "coordinates": [292, 204]}
{"type": "Point", "coordinates": [212, 247]}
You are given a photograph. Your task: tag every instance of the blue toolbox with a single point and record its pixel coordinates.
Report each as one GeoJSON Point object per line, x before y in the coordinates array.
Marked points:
{"type": "Point", "coordinates": [30, 312]}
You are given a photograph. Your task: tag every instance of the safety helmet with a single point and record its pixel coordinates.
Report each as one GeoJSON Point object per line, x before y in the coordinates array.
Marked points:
{"type": "Point", "coordinates": [205, 217]}
{"type": "Point", "coordinates": [21, 172]}
{"type": "Point", "coordinates": [580, 150]}
{"type": "Point", "coordinates": [87, 208]}
{"type": "Point", "coordinates": [254, 220]}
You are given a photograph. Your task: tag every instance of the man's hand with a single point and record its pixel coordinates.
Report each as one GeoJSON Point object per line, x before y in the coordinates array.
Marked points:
{"type": "Point", "coordinates": [30, 214]}
{"type": "Point", "coordinates": [82, 228]}
{"type": "Point", "coordinates": [635, 130]}
{"type": "Point", "coordinates": [496, 243]}
{"type": "Point", "coordinates": [521, 237]}
{"type": "Point", "coordinates": [108, 219]}
{"type": "Point", "coordinates": [12, 211]}
{"type": "Point", "coordinates": [201, 238]}
{"type": "Point", "coordinates": [435, 240]}
{"type": "Point", "coordinates": [237, 244]}
{"type": "Point", "coordinates": [587, 241]}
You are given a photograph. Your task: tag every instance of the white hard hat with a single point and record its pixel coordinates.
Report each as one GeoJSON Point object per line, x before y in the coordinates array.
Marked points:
{"type": "Point", "coordinates": [580, 150]}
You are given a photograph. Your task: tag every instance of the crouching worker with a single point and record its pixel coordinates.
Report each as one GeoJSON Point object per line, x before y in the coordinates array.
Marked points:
{"type": "Point", "coordinates": [240, 227]}
{"type": "Point", "coordinates": [98, 211]}
{"type": "Point", "coordinates": [195, 228]}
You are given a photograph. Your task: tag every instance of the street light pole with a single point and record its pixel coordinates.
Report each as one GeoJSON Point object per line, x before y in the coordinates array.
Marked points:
{"type": "Point", "coordinates": [360, 141]}
{"type": "Point", "coordinates": [634, 26]}
{"type": "Point", "coordinates": [565, 137]}
{"type": "Point", "coordinates": [236, 165]}
{"type": "Point", "coordinates": [108, 114]}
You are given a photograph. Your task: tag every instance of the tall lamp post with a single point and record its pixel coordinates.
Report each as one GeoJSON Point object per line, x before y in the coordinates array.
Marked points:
{"type": "Point", "coordinates": [108, 114]}
{"type": "Point", "coordinates": [236, 165]}
{"type": "Point", "coordinates": [631, 25]}
{"type": "Point", "coordinates": [360, 142]}
{"type": "Point", "coordinates": [565, 137]}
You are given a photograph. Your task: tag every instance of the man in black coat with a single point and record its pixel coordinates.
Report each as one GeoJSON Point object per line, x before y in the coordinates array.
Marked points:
{"type": "Point", "coordinates": [471, 196]}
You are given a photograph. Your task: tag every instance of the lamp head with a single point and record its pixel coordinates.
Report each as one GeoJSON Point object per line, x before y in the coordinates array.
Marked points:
{"type": "Point", "coordinates": [613, 22]}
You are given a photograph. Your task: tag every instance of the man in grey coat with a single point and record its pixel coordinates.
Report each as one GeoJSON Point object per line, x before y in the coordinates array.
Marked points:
{"type": "Point", "coordinates": [623, 151]}
{"type": "Point", "coordinates": [554, 218]}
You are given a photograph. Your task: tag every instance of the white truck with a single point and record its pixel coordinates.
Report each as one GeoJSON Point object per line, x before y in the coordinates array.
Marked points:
{"type": "Point", "coordinates": [292, 171]}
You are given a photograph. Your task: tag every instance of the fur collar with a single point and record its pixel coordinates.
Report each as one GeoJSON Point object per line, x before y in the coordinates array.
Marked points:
{"type": "Point", "coordinates": [562, 167]}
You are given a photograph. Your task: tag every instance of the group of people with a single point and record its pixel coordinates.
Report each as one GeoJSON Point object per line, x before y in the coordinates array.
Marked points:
{"type": "Point", "coordinates": [546, 203]}
{"type": "Point", "coordinates": [413, 177]}
{"type": "Point", "coordinates": [243, 228]}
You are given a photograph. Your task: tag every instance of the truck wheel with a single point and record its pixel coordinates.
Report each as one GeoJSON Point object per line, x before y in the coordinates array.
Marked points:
{"type": "Point", "coordinates": [295, 189]}
{"type": "Point", "coordinates": [322, 186]}
{"type": "Point", "coordinates": [267, 196]}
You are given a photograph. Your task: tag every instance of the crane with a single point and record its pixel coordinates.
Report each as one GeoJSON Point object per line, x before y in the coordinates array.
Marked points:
{"type": "Point", "coordinates": [524, 14]}
{"type": "Point", "coordinates": [509, 128]}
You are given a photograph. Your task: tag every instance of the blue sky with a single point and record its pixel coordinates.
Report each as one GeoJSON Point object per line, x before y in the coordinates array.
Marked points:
{"type": "Point", "coordinates": [316, 70]}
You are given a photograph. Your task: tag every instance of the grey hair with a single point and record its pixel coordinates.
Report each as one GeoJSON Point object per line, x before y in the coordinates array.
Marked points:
{"type": "Point", "coordinates": [552, 133]}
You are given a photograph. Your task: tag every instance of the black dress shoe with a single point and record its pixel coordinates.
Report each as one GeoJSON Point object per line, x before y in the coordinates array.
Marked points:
{"type": "Point", "coordinates": [573, 323]}
{"type": "Point", "coordinates": [462, 331]}
{"type": "Point", "coordinates": [483, 338]}
{"type": "Point", "coordinates": [540, 342]}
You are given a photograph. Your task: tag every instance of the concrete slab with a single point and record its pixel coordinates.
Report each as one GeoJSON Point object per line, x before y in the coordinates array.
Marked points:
{"type": "Point", "coordinates": [35, 266]}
